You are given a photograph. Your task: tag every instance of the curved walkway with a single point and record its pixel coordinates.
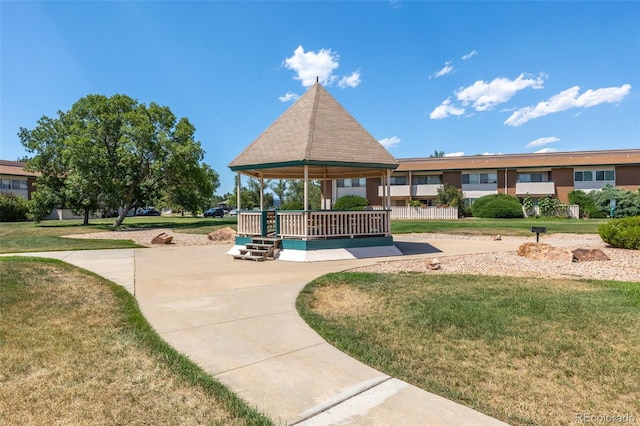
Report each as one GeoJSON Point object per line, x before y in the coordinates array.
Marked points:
{"type": "Point", "coordinates": [238, 321]}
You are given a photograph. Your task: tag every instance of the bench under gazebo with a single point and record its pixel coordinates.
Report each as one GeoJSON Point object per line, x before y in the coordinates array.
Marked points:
{"type": "Point", "coordinates": [315, 139]}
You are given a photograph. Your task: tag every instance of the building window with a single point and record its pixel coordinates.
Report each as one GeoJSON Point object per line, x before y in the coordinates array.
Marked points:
{"type": "Point", "coordinates": [479, 178]}
{"type": "Point", "coordinates": [19, 184]}
{"type": "Point", "coordinates": [427, 180]}
{"type": "Point", "coordinates": [349, 183]}
{"type": "Point", "coordinates": [530, 177]}
{"type": "Point", "coordinates": [398, 180]}
{"type": "Point", "coordinates": [5, 184]}
{"type": "Point", "coordinates": [603, 175]}
{"type": "Point", "coordinates": [586, 176]}
{"type": "Point", "coordinates": [359, 182]}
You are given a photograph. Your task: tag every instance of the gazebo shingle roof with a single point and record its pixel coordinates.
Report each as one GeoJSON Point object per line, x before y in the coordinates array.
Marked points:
{"type": "Point", "coordinates": [315, 131]}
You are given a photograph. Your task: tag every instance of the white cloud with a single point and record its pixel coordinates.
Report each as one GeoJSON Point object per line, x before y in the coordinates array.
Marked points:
{"type": "Point", "coordinates": [543, 150]}
{"type": "Point", "coordinates": [492, 153]}
{"type": "Point", "coordinates": [352, 80]}
{"type": "Point", "coordinates": [445, 110]}
{"type": "Point", "coordinates": [319, 65]}
{"type": "Point", "coordinates": [469, 55]}
{"type": "Point", "coordinates": [309, 65]}
{"type": "Point", "coordinates": [455, 154]}
{"type": "Point", "coordinates": [542, 141]}
{"type": "Point", "coordinates": [485, 96]}
{"type": "Point", "coordinates": [390, 142]}
{"type": "Point", "coordinates": [566, 100]}
{"type": "Point", "coordinates": [448, 69]}
{"type": "Point", "coordinates": [289, 96]}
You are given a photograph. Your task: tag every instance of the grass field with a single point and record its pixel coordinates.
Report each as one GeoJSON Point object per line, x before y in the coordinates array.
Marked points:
{"type": "Point", "coordinates": [526, 351]}
{"type": "Point", "coordinates": [46, 236]}
{"type": "Point", "coordinates": [476, 226]}
{"type": "Point", "coordinates": [75, 349]}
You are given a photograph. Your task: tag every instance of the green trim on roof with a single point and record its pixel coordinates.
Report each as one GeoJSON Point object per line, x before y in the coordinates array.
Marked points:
{"type": "Point", "coordinates": [314, 163]}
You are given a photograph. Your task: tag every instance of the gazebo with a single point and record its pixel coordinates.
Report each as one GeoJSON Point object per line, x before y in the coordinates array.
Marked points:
{"type": "Point", "coordinates": [315, 139]}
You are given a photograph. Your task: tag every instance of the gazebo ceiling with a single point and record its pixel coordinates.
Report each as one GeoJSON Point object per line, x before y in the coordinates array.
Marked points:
{"type": "Point", "coordinates": [317, 132]}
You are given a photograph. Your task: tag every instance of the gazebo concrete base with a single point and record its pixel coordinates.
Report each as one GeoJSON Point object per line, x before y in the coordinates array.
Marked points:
{"type": "Point", "coordinates": [330, 249]}
{"type": "Point", "coordinates": [330, 254]}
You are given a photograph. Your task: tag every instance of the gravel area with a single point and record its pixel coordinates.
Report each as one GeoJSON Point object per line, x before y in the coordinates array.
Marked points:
{"type": "Point", "coordinates": [143, 237]}
{"type": "Point", "coordinates": [624, 265]}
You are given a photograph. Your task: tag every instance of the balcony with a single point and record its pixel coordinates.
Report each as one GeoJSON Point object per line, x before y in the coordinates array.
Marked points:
{"type": "Point", "coordinates": [396, 191]}
{"type": "Point", "coordinates": [425, 190]}
{"type": "Point", "coordinates": [535, 188]}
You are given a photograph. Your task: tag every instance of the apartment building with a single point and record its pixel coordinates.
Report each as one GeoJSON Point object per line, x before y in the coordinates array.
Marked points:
{"type": "Point", "coordinates": [15, 180]}
{"type": "Point", "coordinates": [538, 175]}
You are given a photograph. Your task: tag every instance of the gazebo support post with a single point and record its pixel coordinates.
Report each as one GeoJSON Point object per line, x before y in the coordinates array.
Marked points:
{"type": "Point", "coordinates": [306, 202]}
{"type": "Point", "coordinates": [238, 189]}
{"type": "Point", "coordinates": [261, 193]}
{"type": "Point", "coordinates": [388, 189]}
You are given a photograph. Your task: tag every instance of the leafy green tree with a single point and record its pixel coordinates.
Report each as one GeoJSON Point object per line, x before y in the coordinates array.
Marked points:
{"type": "Point", "coordinates": [295, 193]}
{"type": "Point", "coordinates": [250, 194]}
{"type": "Point", "coordinates": [279, 188]}
{"type": "Point", "coordinates": [586, 204]}
{"type": "Point", "coordinates": [116, 152]}
{"type": "Point", "coordinates": [437, 154]}
{"type": "Point", "coordinates": [450, 195]}
{"type": "Point", "coordinates": [627, 202]}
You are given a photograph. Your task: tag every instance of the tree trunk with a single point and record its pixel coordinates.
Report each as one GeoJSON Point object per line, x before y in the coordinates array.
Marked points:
{"type": "Point", "coordinates": [85, 222]}
{"type": "Point", "coordinates": [122, 215]}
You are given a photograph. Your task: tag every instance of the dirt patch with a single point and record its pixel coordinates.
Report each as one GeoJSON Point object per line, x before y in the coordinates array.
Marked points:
{"type": "Point", "coordinates": [333, 301]}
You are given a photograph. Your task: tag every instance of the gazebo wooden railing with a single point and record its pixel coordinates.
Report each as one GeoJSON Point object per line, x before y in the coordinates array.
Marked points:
{"type": "Point", "coordinates": [315, 224]}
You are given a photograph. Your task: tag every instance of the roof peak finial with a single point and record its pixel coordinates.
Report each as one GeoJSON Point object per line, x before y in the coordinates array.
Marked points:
{"type": "Point", "coordinates": [317, 79]}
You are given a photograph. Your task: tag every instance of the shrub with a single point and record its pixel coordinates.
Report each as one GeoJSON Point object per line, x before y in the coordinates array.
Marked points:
{"type": "Point", "coordinates": [13, 208]}
{"type": "Point", "coordinates": [292, 205]}
{"type": "Point", "coordinates": [415, 203]}
{"type": "Point", "coordinates": [350, 202]}
{"type": "Point", "coordinates": [450, 195]}
{"type": "Point", "coordinates": [627, 202]}
{"type": "Point", "coordinates": [587, 205]}
{"type": "Point", "coordinates": [552, 207]}
{"type": "Point", "coordinates": [622, 233]}
{"type": "Point", "coordinates": [497, 206]}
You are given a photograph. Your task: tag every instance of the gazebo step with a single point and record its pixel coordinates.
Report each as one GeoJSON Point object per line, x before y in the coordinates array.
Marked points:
{"type": "Point", "coordinates": [260, 248]}
{"type": "Point", "coordinates": [249, 257]}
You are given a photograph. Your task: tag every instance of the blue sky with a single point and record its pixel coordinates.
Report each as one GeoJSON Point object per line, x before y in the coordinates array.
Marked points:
{"type": "Point", "coordinates": [459, 77]}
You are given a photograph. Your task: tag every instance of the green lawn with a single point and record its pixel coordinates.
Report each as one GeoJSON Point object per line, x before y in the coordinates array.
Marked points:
{"type": "Point", "coordinates": [523, 350]}
{"type": "Point", "coordinates": [75, 349]}
{"type": "Point", "coordinates": [46, 236]}
{"type": "Point", "coordinates": [497, 226]}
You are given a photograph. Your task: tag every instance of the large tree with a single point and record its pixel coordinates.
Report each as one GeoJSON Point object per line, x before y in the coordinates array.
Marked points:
{"type": "Point", "coordinates": [116, 152]}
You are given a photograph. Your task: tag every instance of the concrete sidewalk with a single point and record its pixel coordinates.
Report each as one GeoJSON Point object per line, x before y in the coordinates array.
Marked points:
{"type": "Point", "coordinates": [237, 320]}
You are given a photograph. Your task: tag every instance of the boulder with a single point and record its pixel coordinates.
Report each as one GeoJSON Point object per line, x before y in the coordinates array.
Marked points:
{"type": "Point", "coordinates": [433, 264]}
{"type": "Point", "coordinates": [162, 238]}
{"type": "Point", "coordinates": [542, 251]}
{"type": "Point", "coordinates": [587, 255]}
{"type": "Point", "coordinates": [225, 235]}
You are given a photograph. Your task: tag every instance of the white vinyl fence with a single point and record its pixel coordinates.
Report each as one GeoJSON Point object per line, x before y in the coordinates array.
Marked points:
{"type": "Point", "coordinates": [424, 212]}
{"type": "Point", "coordinates": [573, 211]}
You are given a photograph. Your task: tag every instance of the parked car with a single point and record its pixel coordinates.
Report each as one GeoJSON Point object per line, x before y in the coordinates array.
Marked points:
{"type": "Point", "coordinates": [214, 212]}
{"type": "Point", "coordinates": [233, 212]}
{"type": "Point", "coordinates": [149, 212]}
